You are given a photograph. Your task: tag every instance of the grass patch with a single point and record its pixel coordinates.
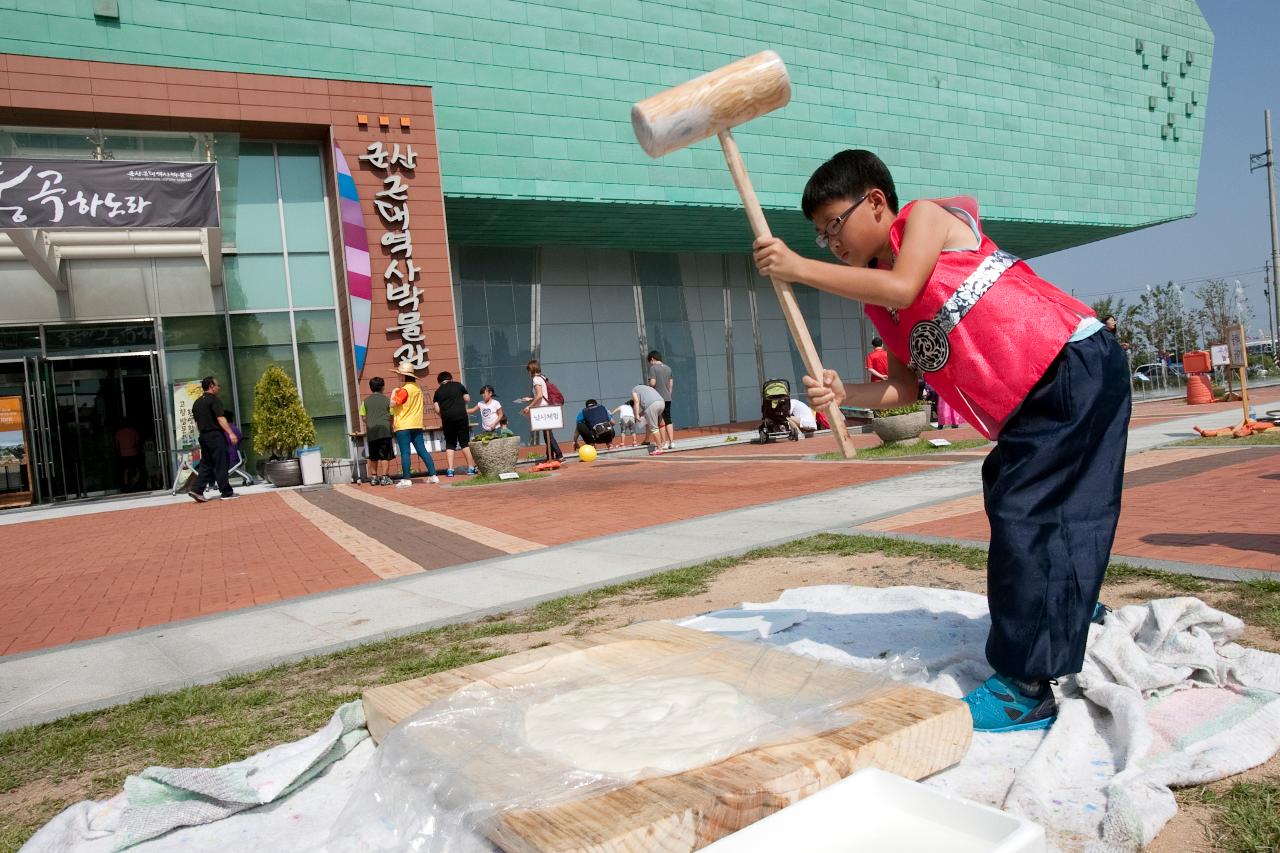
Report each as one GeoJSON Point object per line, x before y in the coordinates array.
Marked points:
{"type": "Point", "coordinates": [920, 448]}
{"type": "Point", "coordinates": [1123, 572]}
{"type": "Point", "coordinates": [492, 479]}
{"type": "Point", "coordinates": [1258, 601]}
{"type": "Point", "coordinates": [46, 767]}
{"type": "Point", "coordinates": [1271, 436]}
{"type": "Point", "coordinates": [1246, 819]}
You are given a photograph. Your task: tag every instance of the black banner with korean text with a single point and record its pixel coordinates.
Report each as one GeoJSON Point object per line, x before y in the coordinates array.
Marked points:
{"type": "Point", "coordinates": [107, 194]}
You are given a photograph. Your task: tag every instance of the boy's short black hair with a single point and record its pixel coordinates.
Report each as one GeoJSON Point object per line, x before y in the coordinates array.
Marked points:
{"type": "Point", "coordinates": [207, 383]}
{"type": "Point", "coordinates": [876, 342]}
{"type": "Point", "coordinates": [848, 174]}
{"type": "Point", "coordinates": [654, 355]}
{"type": "Point", "coordinates": [443, 377]}
{"type": "Point", "coordinates": [590, 403]}
{"type": "Point", "coordinates": [377, 383]}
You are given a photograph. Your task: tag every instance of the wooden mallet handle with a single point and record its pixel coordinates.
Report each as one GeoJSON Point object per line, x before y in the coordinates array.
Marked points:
{"type": "Point", "coordinates": [786, 296]}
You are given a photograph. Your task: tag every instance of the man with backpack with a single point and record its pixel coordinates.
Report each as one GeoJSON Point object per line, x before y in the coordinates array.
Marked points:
{"type": "Point", "coordinates": [545, 393]}
{"type": "Point", "coordinates": [595, 426]}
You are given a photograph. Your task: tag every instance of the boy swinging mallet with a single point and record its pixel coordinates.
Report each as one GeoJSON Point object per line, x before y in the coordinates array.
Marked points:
{"type": "Point", "coordinates": [1020, 359]}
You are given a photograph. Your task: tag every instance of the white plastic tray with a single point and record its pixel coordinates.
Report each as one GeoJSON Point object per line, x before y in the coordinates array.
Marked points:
{"type": "Point", "coordinates": [877, 812]}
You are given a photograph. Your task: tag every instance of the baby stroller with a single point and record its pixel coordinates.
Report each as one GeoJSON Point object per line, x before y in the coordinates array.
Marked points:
{"type": "Point", "coordinates": [776, 409]}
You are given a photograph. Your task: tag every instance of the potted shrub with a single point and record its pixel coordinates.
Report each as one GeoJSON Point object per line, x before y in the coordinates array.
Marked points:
{"type": "Point", "coordinates": [280, 427]}
{"type": "Point", "coordinates": [496, 452]}
{"type": "Point", "coordinates": [902, 424]}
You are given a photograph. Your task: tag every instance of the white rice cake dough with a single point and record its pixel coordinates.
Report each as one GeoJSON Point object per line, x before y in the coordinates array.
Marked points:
{"type": "Point", "coordinates": [668, 724]}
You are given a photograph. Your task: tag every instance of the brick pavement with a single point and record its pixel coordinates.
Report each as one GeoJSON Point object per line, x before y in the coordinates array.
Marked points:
{"type": "Point", "coordinates": [87, 576]}
{"type": "Point", "coordinates": [1190, 505]}
{"type": "Point", "coordinates": [77, 578]}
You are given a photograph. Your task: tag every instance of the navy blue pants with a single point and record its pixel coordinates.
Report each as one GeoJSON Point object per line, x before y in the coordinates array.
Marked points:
{"type": "Point", "coordinates": [1052, 491]}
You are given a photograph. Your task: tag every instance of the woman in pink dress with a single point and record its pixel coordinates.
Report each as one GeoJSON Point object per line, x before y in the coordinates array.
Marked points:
{"type": "Point", "coordinates": [948, 416]}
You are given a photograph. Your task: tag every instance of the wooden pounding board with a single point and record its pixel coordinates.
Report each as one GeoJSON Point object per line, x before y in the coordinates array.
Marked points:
{"type": "Point", "coordinates": [905, 730]}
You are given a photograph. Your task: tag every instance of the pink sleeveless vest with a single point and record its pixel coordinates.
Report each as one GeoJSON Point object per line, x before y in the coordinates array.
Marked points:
{"type": "Point", "coordinates": [985, 327]}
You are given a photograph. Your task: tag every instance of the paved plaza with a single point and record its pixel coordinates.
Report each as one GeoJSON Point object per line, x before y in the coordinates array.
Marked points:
{"type": "Point", "coordinates": [119, 599]}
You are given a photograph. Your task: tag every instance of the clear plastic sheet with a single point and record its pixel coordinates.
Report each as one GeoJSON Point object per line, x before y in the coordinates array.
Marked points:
{"type": "Point", "coordinates": [441, 778]}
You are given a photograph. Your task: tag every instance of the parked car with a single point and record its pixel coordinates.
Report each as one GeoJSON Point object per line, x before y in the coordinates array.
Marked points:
{"type": "Point", "coordinates": [1158, 371]}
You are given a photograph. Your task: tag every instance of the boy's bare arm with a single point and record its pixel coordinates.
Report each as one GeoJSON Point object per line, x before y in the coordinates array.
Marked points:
{"type": "Point", "coordinates": [902, 389]}
{"type": "Point", "coordinates": [927, 232]}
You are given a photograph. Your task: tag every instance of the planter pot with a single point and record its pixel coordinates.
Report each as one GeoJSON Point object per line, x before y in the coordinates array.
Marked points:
{"type": "Point", "coordinates": [283, 472]}
{"type": "Point", "coordinates": [337, 471]}
{"type": "Point", "coordinates": [497, 456]}
{"type": "Point", "coordinates": [897, 429]}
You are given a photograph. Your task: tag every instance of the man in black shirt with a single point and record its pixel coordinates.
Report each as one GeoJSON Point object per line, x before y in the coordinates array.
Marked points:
{"type": "Point", "coordinates": [212, 422]}
{"type": "Point", "coordinates": [450, 402]}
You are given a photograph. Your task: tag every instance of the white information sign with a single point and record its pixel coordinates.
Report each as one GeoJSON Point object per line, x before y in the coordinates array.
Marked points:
{"type": "Point", "coordinates": [1221, 355]}
{"type": "Point", "coordinates": [546, 417]}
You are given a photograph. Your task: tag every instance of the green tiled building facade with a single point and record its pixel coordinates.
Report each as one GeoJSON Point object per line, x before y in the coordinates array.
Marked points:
{"type": "Point", "coordinates": [1070, 121]}
{"type": "Point", "coordinates": [1041, 108]}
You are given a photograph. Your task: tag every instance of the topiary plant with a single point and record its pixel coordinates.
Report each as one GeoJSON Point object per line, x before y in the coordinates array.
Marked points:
{"type": "Point", "coordinates": [899, 410]}
{"type": "Point", "coordinates": [280, 424]}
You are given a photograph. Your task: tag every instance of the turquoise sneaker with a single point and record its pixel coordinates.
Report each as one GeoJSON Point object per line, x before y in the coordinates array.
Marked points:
{"type": "Point", "coordinates": [1100, 612]}
{"type": "Point", "coordinates": [1001, 705]}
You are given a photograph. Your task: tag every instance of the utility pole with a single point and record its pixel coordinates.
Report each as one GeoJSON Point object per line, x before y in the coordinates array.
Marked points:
{"type": "Point", "coordinates": [1268, 289]}
{"type": "Point", "coordinates": [1265, 160]}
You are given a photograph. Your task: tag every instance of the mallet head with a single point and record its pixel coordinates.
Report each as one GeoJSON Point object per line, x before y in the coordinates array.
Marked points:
{"type": "Point", "coordinates": [716, 101]}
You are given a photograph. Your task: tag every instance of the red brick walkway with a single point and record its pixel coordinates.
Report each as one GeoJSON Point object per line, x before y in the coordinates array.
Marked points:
{"type": "Point", "coordinates": [87, 576]}
{"type": "Point", "coordinates": [1209, 506]}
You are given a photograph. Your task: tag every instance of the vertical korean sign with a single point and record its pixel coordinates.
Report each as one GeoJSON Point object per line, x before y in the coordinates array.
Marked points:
{"type": "Point", "coordinates": [15, 461]}
{"type": "Point", "coordinates": [401, 274]}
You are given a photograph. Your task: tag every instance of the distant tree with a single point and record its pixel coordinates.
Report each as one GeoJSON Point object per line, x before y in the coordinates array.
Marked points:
{"type": "Point", "coordinates": [1163, 322]}
{"type": "Point", "coordinates": [1219, 311]}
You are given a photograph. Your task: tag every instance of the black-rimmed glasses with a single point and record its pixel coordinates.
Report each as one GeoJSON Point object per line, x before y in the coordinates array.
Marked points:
{"type": "Point", "coordinates": [833, 227]}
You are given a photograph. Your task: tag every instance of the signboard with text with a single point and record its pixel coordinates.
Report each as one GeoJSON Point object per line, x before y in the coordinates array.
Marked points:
{"type": "Point", "coordinates": [392, 203]}
{"type": "Point", "coordinates": [15, 462]}
{"type": "Point", "coordinates": [546, 417]}
{"type": "Point", "coordinates": [1221, 355]}
{"type": "Point", "coordinates": [184, 423]}
{"type": "Point", "coordinates": [1236, 348]}
{"type": "Point", "coordinates": [107, 194]}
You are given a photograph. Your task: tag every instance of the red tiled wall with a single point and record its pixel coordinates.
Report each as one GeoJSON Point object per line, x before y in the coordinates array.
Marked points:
{"type": "Point", "coordinates": [77, 93]}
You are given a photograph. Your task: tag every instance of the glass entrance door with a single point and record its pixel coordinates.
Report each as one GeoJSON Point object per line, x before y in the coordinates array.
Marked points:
{"type": "Point", "coordinates": [105, 426]}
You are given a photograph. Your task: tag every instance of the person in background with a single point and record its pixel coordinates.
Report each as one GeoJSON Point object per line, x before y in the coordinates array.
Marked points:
{"type": "Point", "coordinates": [661, 380]}
{"type": "Point", "coordinates": [233, 449]}
{"type": "Point", "coordinates": [802, 417]}
{"type": "Point", "coordinates": [490, 410]}
{"type": "Point", "coordinates": [128, 442]}
{"type": "Point", "coordinates": [406, 422]}
{"type": "Point", "coordinates": [594, 426]}
{"type": "Point", "coordinates": [626, 423]}
{"type": "Point", "coordinates": [649, 404]}
{"type": "Point", "coordinates": [216, 436]}
{"type": "Point", "coordinates": [1110, 325]}
{"type": "Point", "coordinates": [877, 361]}
{"type": "Point", "coordinates": [539, 398]}
{"type": "Point", "coordinates": [376, 412]}
{"type": "Point", "coordinates": [450, 402]}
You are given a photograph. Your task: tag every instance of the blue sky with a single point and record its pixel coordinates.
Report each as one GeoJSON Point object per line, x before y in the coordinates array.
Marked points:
{"type": "Point", "coordinates": [1230, 236]}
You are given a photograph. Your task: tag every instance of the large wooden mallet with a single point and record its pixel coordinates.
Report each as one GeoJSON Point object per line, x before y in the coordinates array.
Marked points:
{"type": "Point", "coordinates": [712, 104]}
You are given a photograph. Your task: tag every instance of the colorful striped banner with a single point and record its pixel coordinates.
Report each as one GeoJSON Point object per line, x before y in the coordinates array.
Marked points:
{"type": "Point", "coordinates": [356, 245]}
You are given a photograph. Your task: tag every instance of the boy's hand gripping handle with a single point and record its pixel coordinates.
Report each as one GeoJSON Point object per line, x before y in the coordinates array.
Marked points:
{"type": "Point", "coordinates": [787, 297]}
